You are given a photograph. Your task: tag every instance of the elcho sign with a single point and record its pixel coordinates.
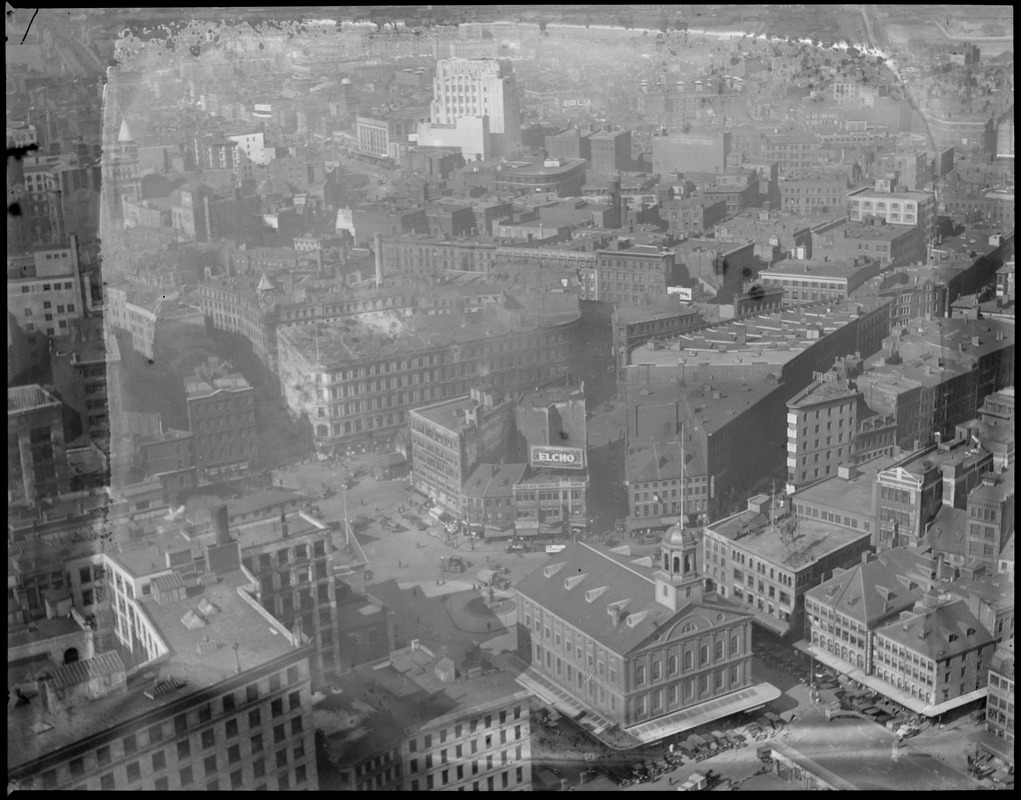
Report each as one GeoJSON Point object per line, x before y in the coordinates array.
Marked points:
{"type": "Point", "coordinates": [557, 457]}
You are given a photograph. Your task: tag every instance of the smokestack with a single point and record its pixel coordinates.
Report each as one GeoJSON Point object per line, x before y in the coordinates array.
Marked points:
{"type": "Point", "coordinates": [220, 524]}
{"type": "Point", "coordinates": [378, 243]}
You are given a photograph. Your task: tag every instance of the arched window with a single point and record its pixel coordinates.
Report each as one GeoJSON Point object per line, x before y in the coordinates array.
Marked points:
{"type": "Point", "coordinates": [640, 675]}
{"type": "Point", "coordinates": [704, 655]}
{"type": "Point", "coordinates": [689, 660]}
{"type": "Point", "coordinates": [657, 670]}
{"type": "Point", "coordinates": [666, 562]}
{"type": "Point", "coordinates": [322, 430]}
{"type": "Point", "coordinates": [71, 655]}
{"type": "Point", "coordinates": [719, 649]}
{"type": "Point", "coordinates": [671, 665]}
{"type": "Point", "coordinates": [735, 645]}
{"type": "Point", "coordinates": [687, 564]}
{"type": "Point", "coordinates": [677, 565]}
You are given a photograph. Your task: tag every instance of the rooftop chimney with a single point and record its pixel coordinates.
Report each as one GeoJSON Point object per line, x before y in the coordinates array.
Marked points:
{"type": "Point", "coordinates": [220, 524]}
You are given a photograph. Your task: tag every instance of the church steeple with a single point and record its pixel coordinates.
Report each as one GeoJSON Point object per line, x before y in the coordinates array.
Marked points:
{"type": "Point", "coordinates": [125, 137]}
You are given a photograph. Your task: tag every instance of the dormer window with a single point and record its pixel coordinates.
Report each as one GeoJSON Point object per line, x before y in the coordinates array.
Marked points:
{"type": "Point", "coordinates": [592, 594]}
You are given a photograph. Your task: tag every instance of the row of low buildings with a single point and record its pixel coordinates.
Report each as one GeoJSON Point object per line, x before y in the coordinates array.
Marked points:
{"type": "Point", "coordinates": [505, 465]}
{"type": "Point", "coordinates": [894, 624]}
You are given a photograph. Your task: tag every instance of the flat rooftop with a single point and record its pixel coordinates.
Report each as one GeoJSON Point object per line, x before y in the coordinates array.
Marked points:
{"type": "Point", "coordinates": [415, 697]}
{"type": "Point", "coordinates": [351, 340]}
{"type": "Point", "coordinates": [812, 539]}
{"type": "Point", "coordinates": [813, 267]}
{"type": "Point", "coordinates": [853, 495]}
{"type": "Point", "coordinates": [821, 392]}
{"type": "Point", "coordinates": [250, 503]}
{"type": "Point", "coordinates": [855, 230]}
{"type": "Point", "coordinates": [956, 453]}
{"type": "Point", "coordinates": [872, 194]}
{"type": "Point", "coordinates": [202, 657]}
{"type": "Point", "coordinates": [548, 476]}
{"type": "Point", "coordinates": [539, 169]}
{"type": "Point", "coordinates": [147, 555]}
{"type": "Point", "coordinates": [450, 413]}
{"type": "Point", "coordinates": [494, 480]}
{"type": "Point", "coordinates": [671, 356]}
{"type": "Point", "coordinates": [712, 413]}
{"type": "Point", "coordinates": [653, 459]}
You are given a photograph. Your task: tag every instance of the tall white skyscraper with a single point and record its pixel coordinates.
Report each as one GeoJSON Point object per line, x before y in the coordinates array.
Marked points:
{"type": "Point", "coordinates": [475, 87]}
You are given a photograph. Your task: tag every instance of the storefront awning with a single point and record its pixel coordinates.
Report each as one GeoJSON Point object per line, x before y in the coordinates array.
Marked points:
{"type": "Point", "coordinates": [526, 527]}
{"type": "Point", "coordinates": [655, 523]}
{"type": "Point", "coordinates": [703, 713]}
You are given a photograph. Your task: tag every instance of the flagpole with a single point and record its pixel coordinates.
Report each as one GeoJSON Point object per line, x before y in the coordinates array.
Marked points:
{"type": "Point", "coordinates": [347, 529]}
{"type": "Point", "coordinates": [684, 487]}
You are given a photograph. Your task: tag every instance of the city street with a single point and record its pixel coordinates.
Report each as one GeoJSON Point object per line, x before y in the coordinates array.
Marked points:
{"type": "Point", "coordinates": [410, 572]}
